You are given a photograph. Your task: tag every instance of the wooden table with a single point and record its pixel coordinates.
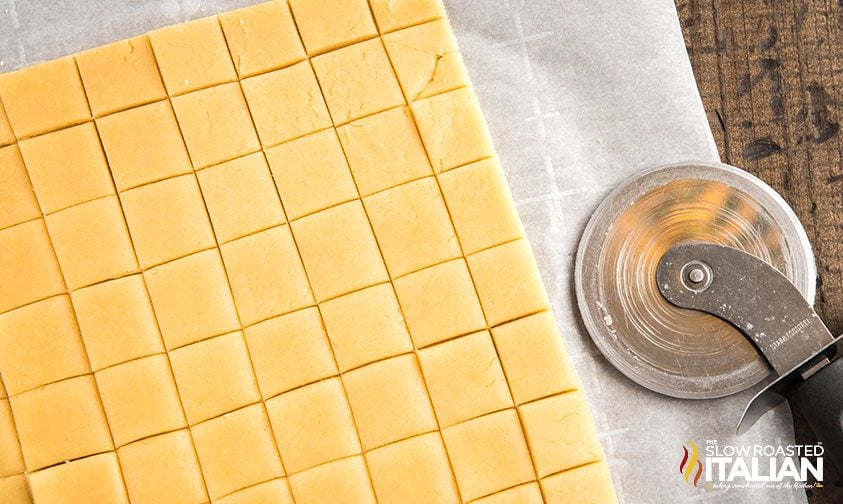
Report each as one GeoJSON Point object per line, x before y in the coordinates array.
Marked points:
{"type": "Point", "coordinates": [771, 77]}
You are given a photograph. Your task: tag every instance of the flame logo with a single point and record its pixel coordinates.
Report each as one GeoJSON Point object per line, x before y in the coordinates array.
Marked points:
{"type": "Point", "coordinates": [691, 464]}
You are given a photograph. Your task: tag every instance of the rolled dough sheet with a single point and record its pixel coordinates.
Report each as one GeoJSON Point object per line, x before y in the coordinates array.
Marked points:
{"type": "Point", "coordinates": [271, 255]}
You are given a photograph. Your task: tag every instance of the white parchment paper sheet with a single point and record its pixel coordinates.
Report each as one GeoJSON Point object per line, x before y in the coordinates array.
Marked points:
{"type": "Point", "coordinates": [579, 95]}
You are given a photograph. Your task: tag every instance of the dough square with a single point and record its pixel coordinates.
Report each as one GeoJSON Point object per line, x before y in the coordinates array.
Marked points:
{"type": "Point", "coordinates": [589, 484]}
{"type": "Point", "coordinates": [266, 275]}
{"type": "Point", "coordinates": [276, 491]}
{"type": "Point", "coordinates": [396, 14]}
{"type": "Point", "coordinates": [313, 425]}
{"type": "Point", "coordinates": [488, 454]}
{"type": "Point", "coordinates": [357, 80]}
{"type": "Point", "coordinates": [240, 196]}
{"type": "Point", "coordinates": [191, 298]}
{"type": "Point", "coordinates": [29, 270]}
{"type": "Point", "coordinates": [214, 377]}
{"type": "Point", "coordinates": [464, 378]}
{"type": "Point", "coordinates": [389, 401]}
{"type": "Point", "coordinates": [91, 479]}
{"type": "Point", "coordinates": [414, 470]}
{"type": "Point", "coordinates": [15, 490]}
{"type": "Point", "coordinates": [148, 481]}
{"type": "Point", "coordinates": [143, 145]}
{"type": "Point", "coordinates": [311, 173]}
{"type": "Point", "coordinates": [522, 494]}
{"type": "Point", "coordinates": [140, 399]}
{"type": "Point", "coordinates": [216, 124]}
{"type": "Point", "coordinates": [262, 37]}
{"type": "Point", "coordinates": [40, 344]}
{"type": "Point", "coordinates": [91, 242]}
{"type": "Point", "coordinates": [67, 167]}
{"type": "Point", "coordinates": [365, 326]}
{"type": "Point", "coordinates": [192, 55]}
{"type": "Point", "coordinates": [384, 150]}
{"type": "Point", "coordinates": [560, 432]}
{"type": "Point", "coordinates": [339, 250]}
{"type": "Point", "coordinates": [481, 206]}
{"type": "Point", "coordinates": [508, 282]}
{"type": "Point", "coordinates": [412, 226]}
{"type": "Point", "coordinates": [452, 128]}
{"type": "Point", "coordinates": [333, 23]}
{"type": "Point", "coordinates": [345, 480]}
{"type": "Point", "coordinates": [236, 450]}
{"type": "Point", "coordinates": [439, 303]}
{"type": "Point", "coordinates": [533, 356]}
{"type": "Point", "coordinates": [290, 351]}
{"type": "Point", "coordinates": [19, 203]}
{"type": "Point", "coordinates": [61, 421]}
{"type": "Point", "coordinates": [11, 460]}
{"type": "Point", "coordinates": [7, 136]}
{"type": "Point", "coordinates": [167, 220]}
{"type": "Point", "coordinates": [426, 59]}
{"type": "Point", "coordinates": [44, 97]}
{"type": "Point", "coordinates": [120, 75]}
{"type": "Point", "coordinates": [286, 104]}
{"type": "Point", "coordinates": [116, 321]}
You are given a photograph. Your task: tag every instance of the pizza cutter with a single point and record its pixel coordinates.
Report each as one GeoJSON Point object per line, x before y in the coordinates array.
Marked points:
{"type": "Point", "coordinates": [696, 280]}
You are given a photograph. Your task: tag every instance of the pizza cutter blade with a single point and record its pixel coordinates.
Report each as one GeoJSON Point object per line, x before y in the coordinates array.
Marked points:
{"type": "Point", "coordinates": [650, 340]}
{"type": "Point", "coordinates": [771, 312]}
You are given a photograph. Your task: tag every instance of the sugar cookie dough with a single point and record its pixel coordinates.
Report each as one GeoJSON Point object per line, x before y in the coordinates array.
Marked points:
{"type": "Point", "coordinates": [270, 256]}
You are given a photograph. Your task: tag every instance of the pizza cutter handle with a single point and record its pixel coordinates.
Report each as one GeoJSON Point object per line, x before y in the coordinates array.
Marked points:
{"type": "Point", "coordinates": [820, 400]}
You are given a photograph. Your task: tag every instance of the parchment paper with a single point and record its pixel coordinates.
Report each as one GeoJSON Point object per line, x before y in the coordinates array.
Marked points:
{"type": "Point", "coordinates": [579, 95]}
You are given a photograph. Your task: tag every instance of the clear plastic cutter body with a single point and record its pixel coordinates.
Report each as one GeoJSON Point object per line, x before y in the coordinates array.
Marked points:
{"type": "Point", "coordinates": [675, 351]}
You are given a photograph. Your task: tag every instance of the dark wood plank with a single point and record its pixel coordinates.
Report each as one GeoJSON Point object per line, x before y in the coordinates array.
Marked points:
{"type": "Point", "coordinates": [770, 73]}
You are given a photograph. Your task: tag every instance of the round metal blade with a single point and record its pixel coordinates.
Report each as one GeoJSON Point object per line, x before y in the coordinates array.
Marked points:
{"type": "Point", "coordinates": [677, 352]}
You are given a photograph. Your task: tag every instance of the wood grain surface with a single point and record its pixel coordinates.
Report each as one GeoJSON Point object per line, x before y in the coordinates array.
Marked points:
{"type": "Point", "coordinates": [770, 74]}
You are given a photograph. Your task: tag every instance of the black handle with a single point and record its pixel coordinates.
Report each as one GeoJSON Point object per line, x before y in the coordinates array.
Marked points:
{"type": "Point", "coordinates": [820, 400]}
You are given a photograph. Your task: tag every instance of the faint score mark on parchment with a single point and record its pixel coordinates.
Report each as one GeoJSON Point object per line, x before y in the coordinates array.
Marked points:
{"type": "Point", "coordinates": [180, 9]}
